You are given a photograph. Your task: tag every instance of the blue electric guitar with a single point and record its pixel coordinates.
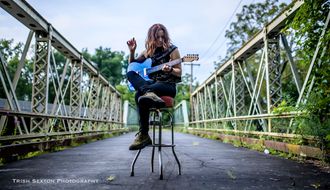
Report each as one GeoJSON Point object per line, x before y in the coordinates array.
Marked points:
{"type": "Point", "coordinates": [144, 69]}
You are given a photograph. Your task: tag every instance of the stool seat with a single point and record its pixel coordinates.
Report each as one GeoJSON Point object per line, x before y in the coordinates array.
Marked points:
{"type": "Point", "coordinates": [169, 101]}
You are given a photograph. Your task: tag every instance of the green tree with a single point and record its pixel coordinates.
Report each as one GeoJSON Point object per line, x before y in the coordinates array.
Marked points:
{"type": "Point", "coordinates": [11, 53]}
{"type": "Point", "coordinates": [125, 65]}
{"type": "Point", "coordinates": [86, 54]}
{"type": "Point", "coordinates": [183, 89]}
{"type": "Point", "coordinates": [252, 18]}
{"type": "Point", "coordinates": [249, 21]}
{"type": "Point", "coordinates": [9, 50]}
{"type": "Point", "coordinates": [307, 27]}
{"type": "Point", "coordinates": [126, 94]}
{"type": "Point", "coordinates": [113, 66]}
{"type": "Point", "coordinates": [109, 64]}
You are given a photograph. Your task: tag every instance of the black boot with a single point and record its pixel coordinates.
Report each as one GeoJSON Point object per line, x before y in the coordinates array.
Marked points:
{"type": "Point", "coordinates": [152, 100]}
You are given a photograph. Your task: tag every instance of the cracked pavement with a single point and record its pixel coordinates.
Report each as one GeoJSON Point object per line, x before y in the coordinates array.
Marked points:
{"type": "Point", "coordinates": [206, 164]}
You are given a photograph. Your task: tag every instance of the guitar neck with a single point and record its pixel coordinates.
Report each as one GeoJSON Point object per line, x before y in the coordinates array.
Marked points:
{"type": "Point", "coordinates": [159, 67]}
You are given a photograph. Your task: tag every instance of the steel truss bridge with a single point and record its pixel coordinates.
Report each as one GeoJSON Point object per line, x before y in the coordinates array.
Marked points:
{"type": "Point", "coordinates": [240, 96]}
{"type": "Point", "coordinates": [95, 106]}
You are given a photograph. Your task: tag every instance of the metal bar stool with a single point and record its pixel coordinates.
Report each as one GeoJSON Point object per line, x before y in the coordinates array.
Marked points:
{"type": "Point", "coordinates": [157, 120]}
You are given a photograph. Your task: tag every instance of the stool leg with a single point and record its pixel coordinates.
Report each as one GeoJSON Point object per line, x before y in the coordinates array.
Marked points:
{"type": "Point", "coordinates": [160, 165]}
{"type": "Point", "coordinates": [153, 128]}
{"type": "Point", "coordinates": [160, 146]}
{"type": "Point", "coordinates": [152, 159]}
{"type": "Point", "coordinates": [172, 134]}
{"type": "Point", "coordinates": [153, 141]}
{"type": "Point", "coordinates": [177, 160]}
{"type": "Point", "coordinates": [133, 163]}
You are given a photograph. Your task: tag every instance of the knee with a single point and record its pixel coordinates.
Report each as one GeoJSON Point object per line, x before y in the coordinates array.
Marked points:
{"type": "Point", "coordinates": [137, 95]}
{"type": "Point", "coordinates": [130, 74]}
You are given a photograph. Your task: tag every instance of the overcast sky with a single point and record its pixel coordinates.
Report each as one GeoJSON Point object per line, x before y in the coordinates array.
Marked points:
{"type": "Point", "coordinates": [195, 26]}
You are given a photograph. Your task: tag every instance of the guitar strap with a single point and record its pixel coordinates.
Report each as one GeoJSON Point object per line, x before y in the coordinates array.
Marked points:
{"type": "Point", "coordinates": [159, 58]}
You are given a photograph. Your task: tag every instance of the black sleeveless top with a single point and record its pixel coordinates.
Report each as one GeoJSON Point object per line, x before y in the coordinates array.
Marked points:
{"type": "Point", "coordinates": [160, 56]}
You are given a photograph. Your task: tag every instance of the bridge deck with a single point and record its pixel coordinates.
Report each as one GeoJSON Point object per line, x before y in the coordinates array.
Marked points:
{"type": "Point", "coordinates": [206, 164]}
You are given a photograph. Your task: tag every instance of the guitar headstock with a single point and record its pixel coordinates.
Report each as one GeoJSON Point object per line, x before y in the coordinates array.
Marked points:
{"type": "Point", "coordinates": [190, 58]}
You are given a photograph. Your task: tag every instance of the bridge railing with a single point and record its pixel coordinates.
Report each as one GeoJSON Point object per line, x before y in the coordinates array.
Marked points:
{"type": "Point", "coordinates": [242, 94]}
{"type": "Point", "coordinates": [180, 113]}
{"type": "Point", "coordinates": [130, 114]}
{"type": "Point", "coordinates": [84, 102]}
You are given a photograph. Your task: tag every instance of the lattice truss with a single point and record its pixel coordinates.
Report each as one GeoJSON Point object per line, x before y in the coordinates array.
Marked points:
{"type": "Point", "coordinates": [274, 65]}
{"type": "Point", "coordinates": [240, 91]}
{"type": "Point", "coordinates": [220, 98]}
{"type": "Point", "coordinates": [105, 103]}
{"type": "Point", "coordinates": [194, 109]}
{"type": "Point", "coordinates": [40, 82]}
{"type": "Point", "coordinates": [225, 96]}
{"type": "Point", "coordinates": [93, 103]}
{"type": "Point", "coordinates": [117, 109]}
{"type": "Point", "coordinates": [76, 95]}
{"type": "Point", "coordinates": [112, 107]}
{"type": "Point", "coordinates": [209, 102]}
{"type": "Point", "coordinates": [88, 92]}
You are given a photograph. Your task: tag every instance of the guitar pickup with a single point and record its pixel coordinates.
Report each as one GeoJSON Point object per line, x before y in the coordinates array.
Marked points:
{"type": "Point", "coordinates": [145, 72]}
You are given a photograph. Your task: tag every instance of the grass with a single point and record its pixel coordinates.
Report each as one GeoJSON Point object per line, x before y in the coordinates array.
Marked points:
{"type": "Point", "coordinates": [43, 150]}
{"type": "Point", "coordinates": [259, 146]}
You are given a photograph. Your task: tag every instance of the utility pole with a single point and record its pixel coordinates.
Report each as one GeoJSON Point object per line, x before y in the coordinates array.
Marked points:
{"type": "Point", "coordinates": [191, 74]}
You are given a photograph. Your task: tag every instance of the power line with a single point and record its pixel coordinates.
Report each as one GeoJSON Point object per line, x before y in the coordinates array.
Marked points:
{"type": "Point", "coordinates": [223, 42]}
{"type": "Point", "coordinates": [223, 29]}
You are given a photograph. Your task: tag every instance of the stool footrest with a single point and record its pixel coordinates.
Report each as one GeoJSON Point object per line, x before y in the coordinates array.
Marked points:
{"type": "Point", "coordinates": [162, 145]}
{"type": "Point", "coordinates": [154, 123]}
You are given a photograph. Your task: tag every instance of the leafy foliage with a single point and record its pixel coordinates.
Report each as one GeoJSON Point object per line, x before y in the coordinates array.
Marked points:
{"type": "Point", "coordinates": [306, 28]}
{"type": "Point", "coordinates": [126, 94]}
{"type": "Point", "coordinates": [183, 89]}
{"type": "Point", "coordinates": [11, 53]}
{"type": "Point", "coordinates": [249, 21]}
{"type": "Point", "coordinates": [304, 33]}
{"type": "Point", "coordinates": [9, 50]}
{"type": "Point", "coordinates": [109, 63]}
{"type": "Point", "coordinates": [252, 18]}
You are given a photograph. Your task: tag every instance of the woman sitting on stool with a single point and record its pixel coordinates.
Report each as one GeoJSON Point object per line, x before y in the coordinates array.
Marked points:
{"type": "Point", "coordinates": [160, 49]}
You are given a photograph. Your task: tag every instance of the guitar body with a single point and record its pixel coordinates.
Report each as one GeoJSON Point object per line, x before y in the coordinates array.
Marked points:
{"type": "Point", "coordinates": [145, 68]}
{"type": "Point", "coordinates": [139, 68]}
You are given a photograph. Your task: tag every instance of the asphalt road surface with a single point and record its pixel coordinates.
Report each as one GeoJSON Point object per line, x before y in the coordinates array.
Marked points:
{"type": "Point", "coordinates": [206, 164]}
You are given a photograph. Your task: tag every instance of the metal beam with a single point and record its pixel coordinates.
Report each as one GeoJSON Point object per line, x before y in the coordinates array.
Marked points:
{"type": "Point", "coordinates": [256, 42]}
{"type": "Point", "coordinates": [28, 16]}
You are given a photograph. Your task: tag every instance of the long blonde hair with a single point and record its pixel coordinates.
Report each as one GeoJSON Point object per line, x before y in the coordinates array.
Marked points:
{"type": "Point", "coordinates": [151, 41]}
